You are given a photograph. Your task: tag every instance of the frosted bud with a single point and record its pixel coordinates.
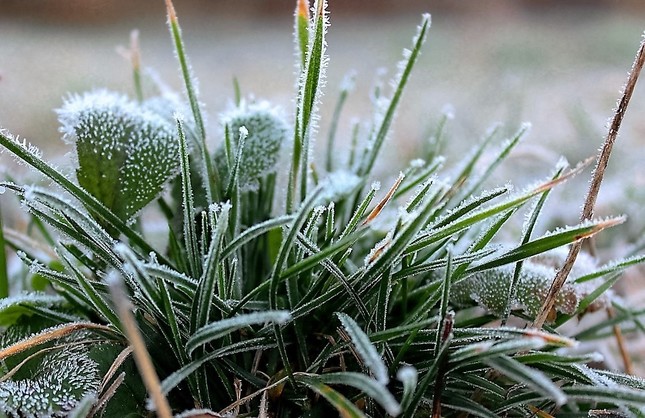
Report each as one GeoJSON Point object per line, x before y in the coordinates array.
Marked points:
{"type": "Point", "coordinates": [265, 131]}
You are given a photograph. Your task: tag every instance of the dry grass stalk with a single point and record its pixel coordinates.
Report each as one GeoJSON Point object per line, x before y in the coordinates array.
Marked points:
{"type": "Point", "coordinates": [594, 188]}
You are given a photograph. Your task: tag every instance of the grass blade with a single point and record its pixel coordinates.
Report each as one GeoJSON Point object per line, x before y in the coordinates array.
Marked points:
{"type": "Point", "coordinates": [4, 273]}
{"type": "Point", "coordinates": [190, 233]}
{"type": "Point", "coordinates": [210, 176]}
{"type": "Point", "coordinates": [345, 408]}
{"type": "Point", "coordinates": [410, 58]}
{"type": "Point", "coordinates": [224, 327]}
{"type": "Point", "coordinates": [206, 290]}
{"type": "Point", "coordinates": [175, 378]}
{"type": "Point", "coordinates": [302, 30]}
{"type": "Point", "coordinates": [548, 242]}
{"type": "Point", "coordinates": [529, 225]}
{"type": "Point", "coordinates": [365, 349]}
{"type": "Point", "coordinates": [433, 235]}
{"type": "Point", "coordinates": [346, 86]}
{"type": "Point", "coordinates": [530, 377]}
{"type": "Point", "coordinates": [29, 155]}
{"type": "Point", "coordinates": [285, 248]}
{"type": "Point", "coordinates": [367, 385]}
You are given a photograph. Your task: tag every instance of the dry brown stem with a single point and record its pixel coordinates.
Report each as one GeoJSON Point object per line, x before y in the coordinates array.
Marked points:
{"type": "Point", "coordinates": [594, 188]}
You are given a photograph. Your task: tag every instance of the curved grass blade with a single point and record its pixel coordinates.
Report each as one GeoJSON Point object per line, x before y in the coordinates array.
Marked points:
{"type": "Point", "coordinates": [457, 402]}
{"type": "Point", "coordinates": [224, 327]}
{"type": "Point", "coordinates": [345, 408]}
{"type": "Point", "coordinates": [409, 377]}
{"type": "Point", "coordinates": [530, 377]}
{"type": "Point", "coordinates": [253, 344]}
{"type": "Point", "coordinates": [365, 349]}
{"type": "Point", "coordinates": [254, 232]}
{"type": "Point", "coordinates": [614, 395]}
{"type": "Point", "coordinates": [365, 384]}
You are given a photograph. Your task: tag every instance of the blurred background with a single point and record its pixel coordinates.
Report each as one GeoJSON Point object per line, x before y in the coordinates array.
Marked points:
{"type": "Point", "coordinates": [559, 65]}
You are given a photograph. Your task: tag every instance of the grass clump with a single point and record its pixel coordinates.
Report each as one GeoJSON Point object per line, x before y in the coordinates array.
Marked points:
{"type": "Point", "coordinates": [336, 298]}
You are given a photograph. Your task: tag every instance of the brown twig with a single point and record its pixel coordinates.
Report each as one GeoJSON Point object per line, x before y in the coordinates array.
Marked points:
{"type": "Point", "coordinates": [594, 188]}
{"type": "Point", "coordinates": [50, 334]}
{"type": "Point", "coordinates": [140, 352]}
{"type": "Point", "coordinates": [379, 207]}
{"type": "Point", "coordinates": [622, 346]}
{"type": "Point", "coordinates": [448, 324]}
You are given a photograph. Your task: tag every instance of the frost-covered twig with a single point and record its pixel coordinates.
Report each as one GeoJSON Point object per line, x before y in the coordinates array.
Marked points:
{"type": "Point", "coordinates": [594, 188]}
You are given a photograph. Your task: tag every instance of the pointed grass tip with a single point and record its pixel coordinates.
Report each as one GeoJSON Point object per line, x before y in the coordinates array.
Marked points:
{"type": "Point", "coordinates": [303, 9]}
{"type": "Point", "coordinates": [379, 208]}
{"type": "Point", "coordinates": [550, 339]}
{"type": "Point", "coordinates": [607, 223]}
{"type": "Point", "coordinates": [172, 15]}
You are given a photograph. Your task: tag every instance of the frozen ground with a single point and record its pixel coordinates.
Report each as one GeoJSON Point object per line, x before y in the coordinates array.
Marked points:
{"type": "Point", "coordinates": [560, 72]}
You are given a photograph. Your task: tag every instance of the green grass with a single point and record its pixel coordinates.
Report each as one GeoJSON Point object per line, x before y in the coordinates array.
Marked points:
{"type": "Point", "coordinates": [298, 288]}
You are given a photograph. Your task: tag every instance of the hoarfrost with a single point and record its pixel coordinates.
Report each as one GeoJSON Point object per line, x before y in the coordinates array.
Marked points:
{"type": "Point", "coordinates": [448, 111]}
{"type": "Point", "coordinates": [57, 385]}
{"type": "Point", "coordinates": [417, 163]}
{"type": "Point", "coordinates": [380, 247]}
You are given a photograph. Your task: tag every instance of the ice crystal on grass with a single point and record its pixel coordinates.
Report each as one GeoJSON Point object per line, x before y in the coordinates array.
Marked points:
{"type": "Point", "coordinates": [126, 153]}
{"type": "Point", "coordinates": [267, 130]}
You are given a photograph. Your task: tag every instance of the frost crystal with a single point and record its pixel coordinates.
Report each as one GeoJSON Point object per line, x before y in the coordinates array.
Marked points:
{"type": "Point", "coordinates": [267, 130]}
{"type": "Point", "coordinates": [126, 152]}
